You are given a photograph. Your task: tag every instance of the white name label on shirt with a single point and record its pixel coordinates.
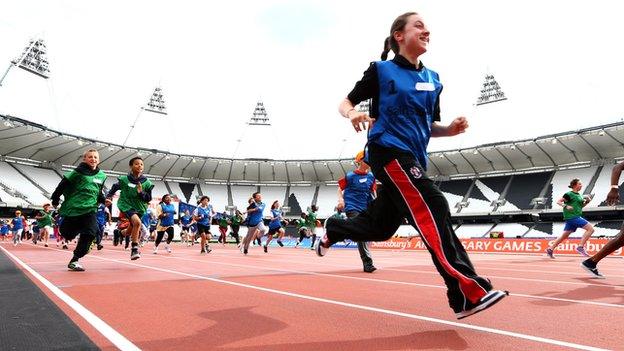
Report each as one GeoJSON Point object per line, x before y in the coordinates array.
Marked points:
{"type": "Point", "coordinates": [425, 86]}
{"type": "Point", "coordinates": [363, 180]}
{"type": "Point", "coordinates": [132, 185]}
{"type": "Point", "coordinates": [97, 181]}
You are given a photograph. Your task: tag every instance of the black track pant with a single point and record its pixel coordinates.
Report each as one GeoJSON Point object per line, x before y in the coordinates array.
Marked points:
{"type": "Point", "coordinates": [161, 234]}
{"type": "Point", "coordinates": [365, 255]}
{"type": "Point", "coordinates": [86, 225]}
{"type": "Point", "coordinates": [408, 193]}
{"type": "Point", "coordinates": [235, 229]}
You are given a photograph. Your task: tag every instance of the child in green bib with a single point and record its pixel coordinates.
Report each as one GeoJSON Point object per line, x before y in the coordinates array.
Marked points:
{"type": "Point", "coordinates": [135, 194]}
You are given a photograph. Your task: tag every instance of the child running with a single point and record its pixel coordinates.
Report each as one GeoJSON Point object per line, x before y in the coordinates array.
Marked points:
{"type": "Point", "coordinates": [223, 226]}
{"type": "Point", "coordinates": [312, 223]}
{"type": "Point", "coordinates": [613, 198]}
{"type": "Point", "coordinates": [203, 215]}
{"type": "Point", "coordinates": [44, 220]}
{"type": "Point", "coordinates": [406, 110]}
{"type": "Point", "coordinates": [275, 226]}
{"type": "Point", "coordinates": [82, 190]}
{"type": "Point", "coordinates": [185, 222]}
{"type": "Point", "coordinates": [17, 227]}
{"type": "Point", "coordinates": [573, 203]}
{"type": "Point", "coordinates": [256, 228]}
{"type": "Point", "coordinates": [356, 191]}
{"type": "Point", "coordinates": [135, 194]}
{"type": "Point", "coordinates": [235, 223]}
{"type": "Point", "coordinates": [302, 228]}
{"type": "Point", "coordinates": [4, 230]}
{"type": "Point", "coordinates": [166, 213]}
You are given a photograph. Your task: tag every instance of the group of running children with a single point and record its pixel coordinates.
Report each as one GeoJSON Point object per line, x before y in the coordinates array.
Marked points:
{"type": "Point", "coordinates": [404, 115]}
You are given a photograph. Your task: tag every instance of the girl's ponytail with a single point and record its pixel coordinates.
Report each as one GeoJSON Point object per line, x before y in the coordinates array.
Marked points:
{"type": "Point", "coordinates": [386, 50]}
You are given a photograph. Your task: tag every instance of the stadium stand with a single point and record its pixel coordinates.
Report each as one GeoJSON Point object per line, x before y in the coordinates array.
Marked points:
{"type": "Point", "coordinates": [45, 178]}
{"type": "Point", "coordinates": [327, 200]}
{"type": "Point", "coordinates": [562, 179]}
{"type": "Point", "coordinates": [218, 195]}
{"type": "Point", "coordinates": [480, 198]}
{"type": "Point", "coordinates": [14, 180]}
{"type": "Point", "coordinates": [473, 230]}
{"type": "Point", "coordinates": [303, 196]}
{"type": "Point", "coordinates": [526, 187]}
{"type": "Point", "coordinates": [455, 191]}
{"type": "Point", "coordinates": [241, 194]}
{"type": "Point", "coordinates": [272, 193]}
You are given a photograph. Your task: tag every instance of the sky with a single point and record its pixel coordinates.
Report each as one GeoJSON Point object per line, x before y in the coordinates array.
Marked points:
{"type": "Point", "coordinates": [558, 62]}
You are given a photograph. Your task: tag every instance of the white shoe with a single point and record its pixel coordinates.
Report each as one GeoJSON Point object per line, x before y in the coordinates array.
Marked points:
{"type": "Point", "coordinates": [155, 250]}
{"type": "Point", "coordinates": [168, 249]}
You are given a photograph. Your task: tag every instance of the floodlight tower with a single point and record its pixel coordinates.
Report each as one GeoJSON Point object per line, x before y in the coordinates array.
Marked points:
{"type": "Point", "coordinates": [156, 104]}
{"type": "Point", "coordinates": [490, 91]}
{"type": "Point", "coordinates": [33, 60]}
{"type": "Point", "coordinates": [259, 117]}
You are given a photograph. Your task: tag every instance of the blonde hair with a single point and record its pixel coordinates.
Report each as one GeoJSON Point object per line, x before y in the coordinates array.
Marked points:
{"type": "Point", "coordinates": [90, 151]}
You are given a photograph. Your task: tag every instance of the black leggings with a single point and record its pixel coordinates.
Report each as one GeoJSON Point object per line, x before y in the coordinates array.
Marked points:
{"type": "Point", "coordinates": [160, 234]}
{"type": "Point", "coordinates": [234, 234]}
{"type": "Point", "coordinates": [302, 235]}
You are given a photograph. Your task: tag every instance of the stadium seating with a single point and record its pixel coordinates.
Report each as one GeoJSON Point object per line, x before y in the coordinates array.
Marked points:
{"type": "Point", "coordinates": [327, 200]}
{"type": "Point", "coordinates": [303, 196]}
{"type": "Point", "coordinates": [14, 180]}
{"type": "Point", "coordinates": [219, 197]}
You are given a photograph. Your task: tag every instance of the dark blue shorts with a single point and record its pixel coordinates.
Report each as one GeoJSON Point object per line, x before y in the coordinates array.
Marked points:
{"type": "Point", "coordinates": [571, 225]}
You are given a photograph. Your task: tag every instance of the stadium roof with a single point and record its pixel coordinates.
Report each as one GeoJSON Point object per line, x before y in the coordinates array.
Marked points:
{"type": "Point", "coordinates": [25, 141]}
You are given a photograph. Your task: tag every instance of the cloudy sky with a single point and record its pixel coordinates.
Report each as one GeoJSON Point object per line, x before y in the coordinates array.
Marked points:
{"type": "Point", "coordinates": [559, 63]}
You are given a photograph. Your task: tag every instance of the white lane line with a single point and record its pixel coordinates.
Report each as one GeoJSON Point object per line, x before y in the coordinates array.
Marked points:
{"type": "Point", "coordinates": [433, 272]}
{"type": "Point", "coordinates": [385, 281]}
{"type": "Point", "coordinates": [365, 308]}
{"type": "Point", "coordinates": [371, 309]}
{"type": "Point", "coordinates": [106, 330]}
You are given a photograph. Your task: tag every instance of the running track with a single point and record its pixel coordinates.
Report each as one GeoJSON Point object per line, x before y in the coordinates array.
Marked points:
{"type": "Point", "coordinates": [289, 299]}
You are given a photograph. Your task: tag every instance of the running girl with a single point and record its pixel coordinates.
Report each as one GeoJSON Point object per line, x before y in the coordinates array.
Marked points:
{"type": "Point", "coordinates": [406, 110]}
{"type": "Point", "coordinates": [275, 225]}
{"type": "Point", "coordinates": [573, 203]}
{"type": "Point", "coordinates": [166, 213]}
{"type": "Point", "coordinates": [44, 220]}
{"type": "Point", "coordinates": [202, 215]}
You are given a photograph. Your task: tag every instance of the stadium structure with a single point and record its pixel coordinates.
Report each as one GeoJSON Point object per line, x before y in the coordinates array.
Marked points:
{"type": "Point", "coordinates": [506, 187]}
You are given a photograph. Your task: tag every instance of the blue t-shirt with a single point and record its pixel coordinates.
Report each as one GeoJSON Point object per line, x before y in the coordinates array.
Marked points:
{"type": "Point", "coordinates": [357, 191]}
{"type": "Point", "coordinates": [407, 101]}
{"type": "Point", "coordinates": [4, 229]}
{"type": "Point", "coordinates": [276, 221]}
{"type": "Point", "coordinates": [186, 220]}
{"type": "Point", "coordinates": [167, 220]}
{"type": "Point", "coordinates": [203, 215]}
{"type": "Point", "coordinates": [17, 223]}
{"type": "Point", "coordinates": [255, 217]}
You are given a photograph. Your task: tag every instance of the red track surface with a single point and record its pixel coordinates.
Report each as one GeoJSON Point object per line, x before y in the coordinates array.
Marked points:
{"type": "Point", "coordinates": [289, 299]}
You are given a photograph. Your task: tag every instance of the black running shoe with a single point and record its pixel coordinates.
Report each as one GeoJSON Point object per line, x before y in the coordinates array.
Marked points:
{"type": "Point", "coordinates": [266, 249]}
{"type": "Point", "coordinates": [369, 268]}
{"type": "Point", "coordinates": [590, 266]}
{"type": "Point", "coordinates": [100, 247]}
{"type": "Point", "coordinates": [65, 247]}
{"type": "Point", "coordinates": [75, 266]}
{"type": "Point", "coordinates": [281, 244]}
{"type": "Point", "coordinates": [492, 297]}
{"type": "Point", "coordinates": [135, 254]}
